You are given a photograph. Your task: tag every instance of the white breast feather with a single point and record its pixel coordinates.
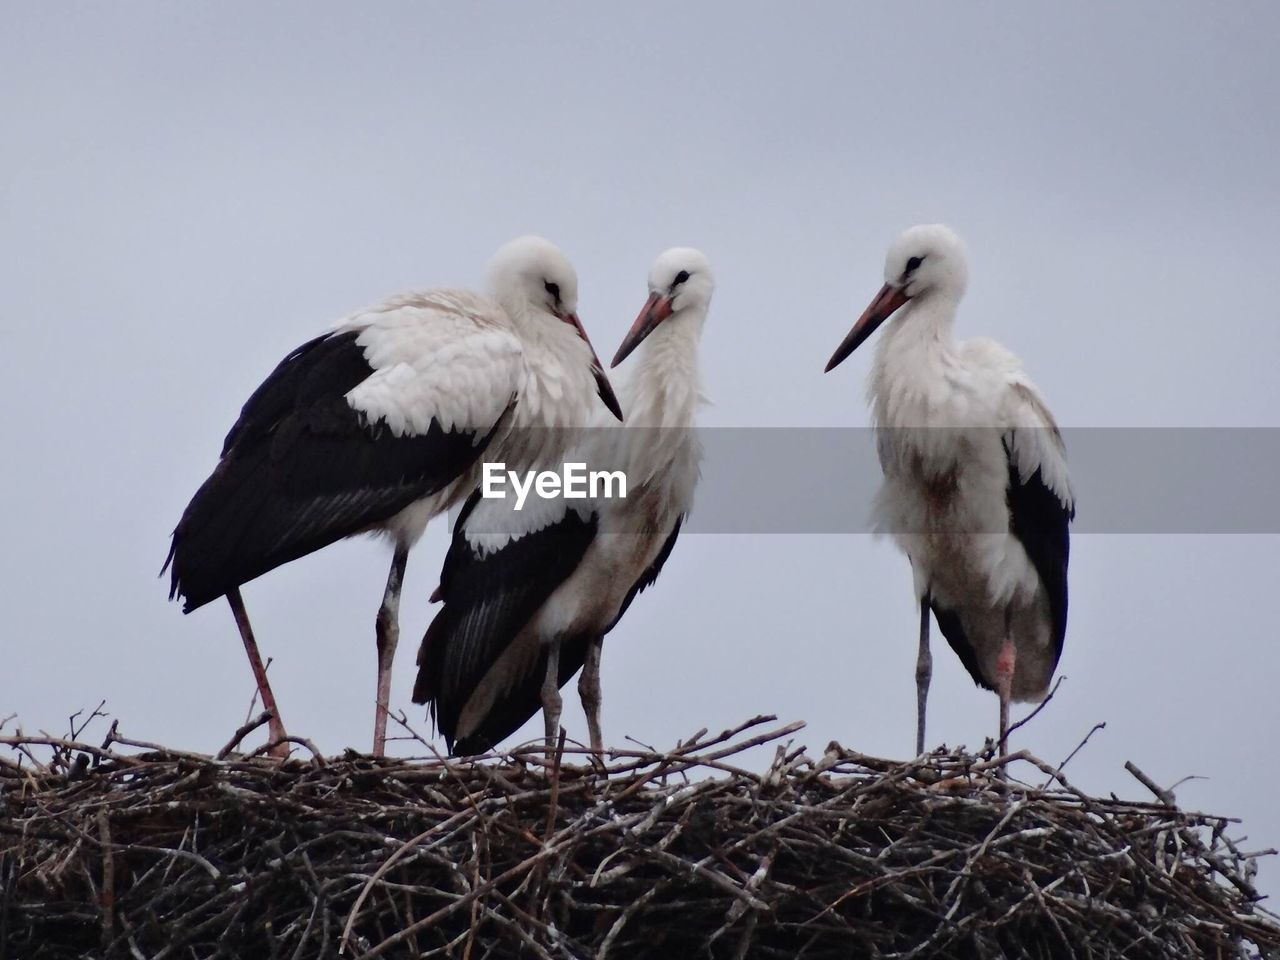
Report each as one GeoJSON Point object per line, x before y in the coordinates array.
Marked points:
{"type": "Point", "coordinates": [559, 389]}
{"type": "Point", "coordinates": [974, 398]}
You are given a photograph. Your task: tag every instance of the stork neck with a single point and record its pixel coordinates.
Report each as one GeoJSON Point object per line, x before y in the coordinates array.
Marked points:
{"type": "Point", "coordinates": [923, 326]}
{"type": "Point", "coordinates": [525, 318]}
{"type": "Point", "coordinates": [912, 359]}
{"type": "Point", "coordinates": [559, 388]}
{"type": "Point", "coordinates": [666, 385]}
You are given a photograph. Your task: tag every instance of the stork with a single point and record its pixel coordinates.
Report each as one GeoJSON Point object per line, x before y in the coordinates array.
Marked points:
{"type": "Point", "coordinates": [377, 426]}
{"type": "Point", "coordinates": [529, 598]}
{"type": "Point", "coordinates": [976, 490]}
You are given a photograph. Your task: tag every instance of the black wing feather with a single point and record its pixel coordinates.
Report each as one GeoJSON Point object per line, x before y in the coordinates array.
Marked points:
{"type": "Point", "coordinates": [523, 700]}
{"type": "Point", "coordinates": [301, 469]}
{"type": "Point", "coordinates": [1041, 522]}
{"type": "Point", "coordinates": [525, 697]}
{"type": "Point", "coordinates": [488, 600]}
{"type": "Point", "coordinates": [951, 627]}
{"type": "Point", "coordinates": [651, 574]}
{"type": "Point", "coordinates": [320, 369]}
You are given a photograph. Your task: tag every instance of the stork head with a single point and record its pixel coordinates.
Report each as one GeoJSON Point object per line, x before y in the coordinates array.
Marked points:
{"type": "Point", "coordinates": [533, 273]}
{"type": "Point", "coordinates": [680, 284]}
{"type": "Point", "coordinates": [924, 262]}
{"type": "Point", "coordinates": [530, 276]}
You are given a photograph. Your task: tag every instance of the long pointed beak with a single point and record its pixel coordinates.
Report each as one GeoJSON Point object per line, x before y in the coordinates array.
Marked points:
{"type": "Point", "coordinates": [889, 299]}
{"type": "Point", "coordinates": [656, 309]}
{"type": "Point", "coordinates": [603, 387]}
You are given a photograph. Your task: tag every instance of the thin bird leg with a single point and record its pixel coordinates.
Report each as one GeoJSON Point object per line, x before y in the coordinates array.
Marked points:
{"type": "Point", "coordinates": [924, 673]}
{"type": "Point", "coordinates": [275, 726]}
{"type": "Point", "coordinates": [388, 635]}
{"type": "Point", "coordinates": [589, 691]}
{"type": "Point", "coordinates": [1005, 663]}
{"type": "Point", "coordinates": [551, 701]}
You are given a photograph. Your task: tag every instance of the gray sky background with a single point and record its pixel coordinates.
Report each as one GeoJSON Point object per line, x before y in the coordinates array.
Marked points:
{"type": "Point", "coordinates": [189, 191]}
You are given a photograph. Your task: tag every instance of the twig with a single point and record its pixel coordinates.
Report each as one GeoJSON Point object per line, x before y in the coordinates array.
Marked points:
{"type": "Point", "coordinates": [243, 731]}
{"type": "Point", "coordinates": [1164, 796]}
{"type": "Point", "coordinates": [1040, 706]}
{"type": "Point", "coordinates": [1102, 725]}
{"type": "Point", "coordinates": [687, 852]}
{"type": "Point", "coordinates": [316, 756]}
{"type": "Point", "coordinates": [553, 806]}
{"type": "Point", "coordinates": [107, 898]}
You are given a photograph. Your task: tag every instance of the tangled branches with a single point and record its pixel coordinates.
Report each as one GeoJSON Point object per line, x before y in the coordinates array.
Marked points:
{"type": "Point", "coordinates": [678, 854]}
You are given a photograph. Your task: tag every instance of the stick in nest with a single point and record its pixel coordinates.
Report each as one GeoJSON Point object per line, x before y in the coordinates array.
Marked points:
{"type": "Point", "coordinates": [685, 852]}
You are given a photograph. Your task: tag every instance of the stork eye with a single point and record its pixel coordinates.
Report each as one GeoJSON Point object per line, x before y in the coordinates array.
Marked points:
{"type": "Point", "coordinates": [681, 277]}
{"type": "Point", "coordinates": [914, 263]}
{"type": "Point", "coordinates": [552, 288]}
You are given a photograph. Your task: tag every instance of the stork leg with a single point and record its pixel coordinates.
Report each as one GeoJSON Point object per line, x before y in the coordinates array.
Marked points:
{"type": "Point", "coordinates": [388, 635]}
{"type": "Point", "coordinates": [275, 726]}
{"type": "Point", "coordinates": [1006, 660]}
{"type": "Point", "coordinates": [924, 673]}
{"type": "Point", "coordinates": [551, 702]}
{"type": "Point", "coordinates": [589, 691]}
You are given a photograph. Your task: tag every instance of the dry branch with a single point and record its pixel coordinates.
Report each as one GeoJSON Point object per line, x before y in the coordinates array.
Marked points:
{"type": "Point", "coordinates": [173, 854]}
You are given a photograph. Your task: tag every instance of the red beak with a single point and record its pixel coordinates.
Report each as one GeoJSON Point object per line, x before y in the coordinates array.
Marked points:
{"type": "Point", "coordinates": [889, 299]}
{"type": "Point", "coordinates": [656, 309]}
{"type": "Point", "coordinates": [603, 387]}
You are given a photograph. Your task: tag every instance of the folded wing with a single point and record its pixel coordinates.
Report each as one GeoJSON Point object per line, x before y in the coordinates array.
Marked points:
{"type": "Point", "coordinates": [348, 430]}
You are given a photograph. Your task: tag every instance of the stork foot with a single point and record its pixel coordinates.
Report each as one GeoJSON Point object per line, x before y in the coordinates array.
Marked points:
{"type": "Point", "coordinates": [589, 692]}
{"type": "Point", "coordinates": [1005, 663]}
{"type": "Point", "coordinates": [924, 674]}
{"type": "Point", "coordinates": [388, 637]}
{"type": "Point", "coordinates": [552, 703]}
{"type": "Point", "coordinates": [275, 726]}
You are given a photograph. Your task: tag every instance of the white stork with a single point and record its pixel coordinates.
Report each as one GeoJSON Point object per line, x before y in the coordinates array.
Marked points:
{"type": "Point", "coordinates": [377, 426]}
{"type": "Point", "coordinates": [976, 489]}
{"type": "Point", "coordinates": [529, 596]}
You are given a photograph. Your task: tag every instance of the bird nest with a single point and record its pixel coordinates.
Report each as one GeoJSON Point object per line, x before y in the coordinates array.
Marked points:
{"type": "Point", "coordinates": [108, 851]}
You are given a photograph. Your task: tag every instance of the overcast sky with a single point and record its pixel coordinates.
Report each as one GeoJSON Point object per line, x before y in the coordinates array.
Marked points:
{"type": "Point", "coordinates": [188, 191]}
